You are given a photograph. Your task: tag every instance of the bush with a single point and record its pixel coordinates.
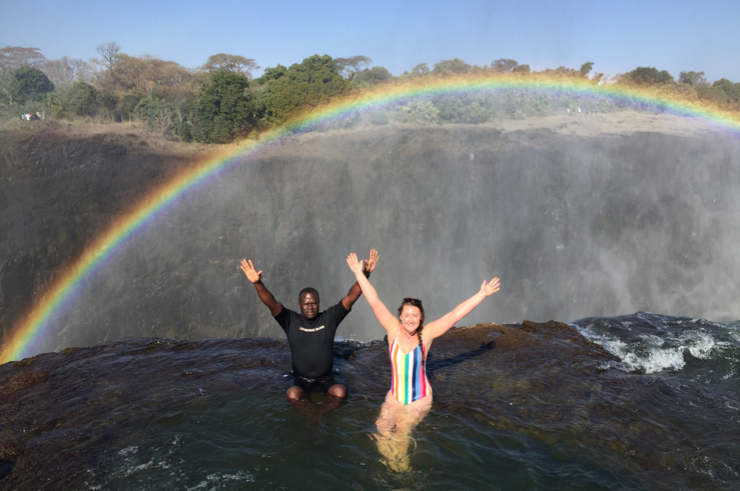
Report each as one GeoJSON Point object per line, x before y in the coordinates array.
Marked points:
{"type": "Point", "coordinates": [157, 113]}
{"type": "Point", "coordinates": [107, 101]}
{"type": "Point", "coordinates": [82, 99]}
{"type": "Point", "coordinates": [418, 112]}
{"type": "Point", "coordinates": [379, 118]}
{"type": "Point", "coordinates": [150, 108]}
{"type": "Point", "coordinates": [463, 109]}
{"type": "Point", "coordinates": [125, 111]}
{"type": "Point", "coordinates": [345, 122]}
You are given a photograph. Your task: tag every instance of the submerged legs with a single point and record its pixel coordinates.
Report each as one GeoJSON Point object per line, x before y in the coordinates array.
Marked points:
{"type": "Point", "coordinates": [299, 398]}
{"type": "Point", "coordinates": [395, 424]}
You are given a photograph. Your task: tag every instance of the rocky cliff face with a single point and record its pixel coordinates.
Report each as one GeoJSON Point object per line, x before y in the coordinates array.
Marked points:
{"type": "Point", "coordinates": [574, 225]}
{"type": "Point", "coordinates": [59, 188]}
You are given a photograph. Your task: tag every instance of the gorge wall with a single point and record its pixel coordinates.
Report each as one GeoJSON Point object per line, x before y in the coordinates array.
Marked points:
{"type": "Point", "coordinates": [574, 225]}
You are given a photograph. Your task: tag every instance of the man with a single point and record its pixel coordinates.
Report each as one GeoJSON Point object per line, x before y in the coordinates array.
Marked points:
{"type": "Point", "coordinates": [310, 335]}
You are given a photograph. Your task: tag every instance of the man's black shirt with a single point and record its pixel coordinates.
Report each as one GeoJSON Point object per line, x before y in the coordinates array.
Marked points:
{"type": "Point", "coordinates": [311, 341]}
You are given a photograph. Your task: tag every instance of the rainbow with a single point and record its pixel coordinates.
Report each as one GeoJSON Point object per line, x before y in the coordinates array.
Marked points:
{"type": "Point", "coordinates": [22, 341]}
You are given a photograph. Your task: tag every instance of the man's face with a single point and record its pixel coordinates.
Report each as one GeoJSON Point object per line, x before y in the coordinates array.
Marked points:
{"type": "Point", "coordinates": [309, 305]}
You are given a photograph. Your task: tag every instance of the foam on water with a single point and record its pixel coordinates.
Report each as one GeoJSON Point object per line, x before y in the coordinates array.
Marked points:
{"type": "Point", "coordinates": [214, 481]}
{"type": "Point", "coordinates": [652, 343]}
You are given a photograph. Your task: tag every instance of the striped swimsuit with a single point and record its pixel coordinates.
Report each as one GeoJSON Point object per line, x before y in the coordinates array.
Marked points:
{"type": "Point", "coordinates": [409, 381]}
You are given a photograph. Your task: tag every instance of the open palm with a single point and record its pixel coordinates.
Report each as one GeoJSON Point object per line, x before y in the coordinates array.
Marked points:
{"type": "Point", "coordinates": [489, 288]}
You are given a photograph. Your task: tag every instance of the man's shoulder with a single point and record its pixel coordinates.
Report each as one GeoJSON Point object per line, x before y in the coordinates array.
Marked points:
{"type": "Point", "coordinates": [285, 315]}
{"type": "Point", "coordinates": [337, 311]}
{"type": "Point", "coordinates": [337, 307]}
{"type": "Point", "coordinates": [286, 311]}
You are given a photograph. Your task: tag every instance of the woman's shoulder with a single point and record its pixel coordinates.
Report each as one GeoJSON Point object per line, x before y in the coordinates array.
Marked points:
{"type": "Point", "coordinates": [391, 335]}
{"type": "Point", "coordinates": [426, 336]}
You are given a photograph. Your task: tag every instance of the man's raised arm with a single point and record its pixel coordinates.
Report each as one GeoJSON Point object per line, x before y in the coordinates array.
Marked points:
{"type": "Point", "coordinates": [354, 293]}
{"type": "Point", "coordinates": [256, 278]}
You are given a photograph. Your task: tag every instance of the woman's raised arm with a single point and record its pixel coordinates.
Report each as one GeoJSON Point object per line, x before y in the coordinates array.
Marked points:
{"type": "Point", "coordinates": [384, 316]}
{"type": "Point", "coordinates": [437, 328]}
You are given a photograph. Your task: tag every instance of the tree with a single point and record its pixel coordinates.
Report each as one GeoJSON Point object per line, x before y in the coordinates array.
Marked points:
{"type": "Point", "coordinates": [167, 73]}
{"type": "Point", "coordinates": [312, 82]}
{"type": "Point", "coordinates": [695, 79]}
{"type": "Point", "coordinates": [646, 76]}
{"type": "Point", "coordinates": [110, 53]}
{"type": "Point", "coordinates": [27, 84]}
{"type": "Point", "coordinates": [272, 74]}
{"type": "Point", "coordinates": [232, 63]}
{"type": "Point", "coordinates": [732, 90]}
{"type": "Point", "coordinates": [14, 57]}
{"type": "Point", "coordinates": [715, 94]}
{"type": "Point", "coordinates": [225, 109]}
{"type": "Point", "coordinates": [451, 67]}
{"type": "Point", "coordinates": [65, 71]}
{"type": "Point", "coordinates": [129, 73]}
{"type": "Point", "coordinates": [371, 76]}
{"type": "Point", "coordinates": [420, 70]}
{"type": "Point", "coordinates": [351, 65]}
{"type": "Point", "coordinates": [504, 65]}
{"type": "Point", "coordinates": [586, 69]}
{"type": "Point", "coordinates": [145, 75]}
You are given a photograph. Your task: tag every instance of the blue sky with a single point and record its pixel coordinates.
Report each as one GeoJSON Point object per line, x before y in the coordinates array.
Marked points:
{"type": "Point", "coordinates": [617, 36]}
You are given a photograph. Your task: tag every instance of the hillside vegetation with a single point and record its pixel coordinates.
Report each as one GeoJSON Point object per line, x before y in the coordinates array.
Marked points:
{"type": "Point", "coordinates": [221, 101]}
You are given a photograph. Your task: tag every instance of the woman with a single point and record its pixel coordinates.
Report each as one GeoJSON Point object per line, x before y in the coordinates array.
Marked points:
{"type": "Point", "coordinates": [410, 397]}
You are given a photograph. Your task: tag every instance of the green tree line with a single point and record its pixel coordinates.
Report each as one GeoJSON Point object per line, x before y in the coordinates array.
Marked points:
{"type": "Point", "coordinates": [221, 101]}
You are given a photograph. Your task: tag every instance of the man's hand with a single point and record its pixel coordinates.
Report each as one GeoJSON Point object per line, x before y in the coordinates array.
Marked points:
{"type": "Point", "coordinates": [256, 278]}
{"type": "Point", "coordinates": [372, 260]}
{"type": "Point", "coordinates": [252, 274]}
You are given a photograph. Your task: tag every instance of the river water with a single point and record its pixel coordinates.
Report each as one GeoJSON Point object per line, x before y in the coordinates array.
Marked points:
{"type": "Point", "coordinates": [641, 401]}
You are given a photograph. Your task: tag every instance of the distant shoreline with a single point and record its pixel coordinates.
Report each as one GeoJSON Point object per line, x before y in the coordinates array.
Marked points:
{"type": "Point", "coordinates": [572, 124]}
{"type": "Point", "coordinates": [623, 122]}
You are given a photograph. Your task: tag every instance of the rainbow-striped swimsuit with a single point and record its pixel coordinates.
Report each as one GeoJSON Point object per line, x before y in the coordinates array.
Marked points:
{"type": "Point", "coordinates": [410, 382]}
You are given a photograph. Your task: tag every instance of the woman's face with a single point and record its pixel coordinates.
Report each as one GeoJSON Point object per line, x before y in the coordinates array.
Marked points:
{"type": "Point", "coordinates": [410, 318]}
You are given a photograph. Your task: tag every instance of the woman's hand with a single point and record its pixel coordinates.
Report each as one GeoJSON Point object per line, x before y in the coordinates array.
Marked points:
{"type": "Point", "coordinates": [490, 288]}
{"type": "Point", "coordinates": [354, 264]}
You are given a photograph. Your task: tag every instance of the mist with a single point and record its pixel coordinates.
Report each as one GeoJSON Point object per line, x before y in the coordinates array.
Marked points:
{"type": "Point", "coordinates": [574, 226]}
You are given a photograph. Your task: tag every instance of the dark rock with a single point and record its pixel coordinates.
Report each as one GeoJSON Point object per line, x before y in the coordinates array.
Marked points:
{"type": "Point", "coordinates": [22, 380]}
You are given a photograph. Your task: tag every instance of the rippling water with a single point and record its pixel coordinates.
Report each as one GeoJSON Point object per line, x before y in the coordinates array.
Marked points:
{"type": "Point", "coordinates": [650, 404]}
{"type": "Point", "coordinates": [265, 444]}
